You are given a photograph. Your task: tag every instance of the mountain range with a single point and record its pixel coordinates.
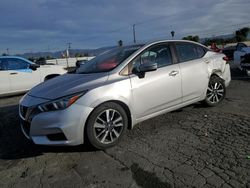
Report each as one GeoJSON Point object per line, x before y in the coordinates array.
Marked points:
{"type": "Point", "coordinates": [72, 53]}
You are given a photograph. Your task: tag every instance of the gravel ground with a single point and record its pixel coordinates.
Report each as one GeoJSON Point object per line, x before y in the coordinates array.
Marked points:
{"type": "Point", "coordinates": [192, 147]}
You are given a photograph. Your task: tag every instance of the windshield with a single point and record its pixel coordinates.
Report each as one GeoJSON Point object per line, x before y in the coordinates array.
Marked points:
{"type": "Point", "coordinates": [107, 61]}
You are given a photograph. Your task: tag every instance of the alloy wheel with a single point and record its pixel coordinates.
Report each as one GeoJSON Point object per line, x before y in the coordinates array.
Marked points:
{"type": "Point", "coordinates": [215, 92]}
{"type": "Point", "coordinates": [108, 126]}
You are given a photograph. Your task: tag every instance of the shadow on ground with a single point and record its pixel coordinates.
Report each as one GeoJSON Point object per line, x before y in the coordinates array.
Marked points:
{"type": "Point", "coordinates": [15, 146]}
{"type": "Point", "coordinates": [237, 74]}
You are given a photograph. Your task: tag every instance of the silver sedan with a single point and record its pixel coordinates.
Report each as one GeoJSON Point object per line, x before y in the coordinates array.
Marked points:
{"type": "Point", "coordinates": [120, 88]}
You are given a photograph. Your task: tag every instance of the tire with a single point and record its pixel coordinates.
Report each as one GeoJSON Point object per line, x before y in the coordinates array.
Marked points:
{"type": "Point", "coordinates": [216, 91]}
{"type": "Point", "coordinates": [103, 132]}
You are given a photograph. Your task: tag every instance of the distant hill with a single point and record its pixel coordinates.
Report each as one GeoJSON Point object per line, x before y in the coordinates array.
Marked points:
{"type": "Point", "coordinates": [58, 54]}
{"type": "Point", "coordinates": [228, 36]}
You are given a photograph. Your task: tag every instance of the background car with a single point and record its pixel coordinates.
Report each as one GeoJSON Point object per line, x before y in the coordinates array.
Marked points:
{"type": "Point", "coordinates": [120, 88]}
{"type": "Point", "coordinates": [18, 75]}
{"type": "Point", "coordinates": [242, 57]}
{"type": "Point", "coordinates": [80, 62]}
{"type": "Point", "coordinates": [229, 52]}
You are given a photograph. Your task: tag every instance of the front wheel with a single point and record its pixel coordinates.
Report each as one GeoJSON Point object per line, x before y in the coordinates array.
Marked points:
{"type": "Point", "coordinates": [216, 91]}
{"type": "Point", "coordinates": [106, 125]}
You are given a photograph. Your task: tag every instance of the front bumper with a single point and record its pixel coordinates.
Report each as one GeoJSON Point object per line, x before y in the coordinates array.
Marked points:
{"type": "Point", "coordinates": [58, 128]}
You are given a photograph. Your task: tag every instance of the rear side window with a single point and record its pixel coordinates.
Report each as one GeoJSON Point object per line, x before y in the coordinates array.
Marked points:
{"type": "Point", "coordinates": [3, 64]}
{"type": "Point", "coordinates": [189, 51]}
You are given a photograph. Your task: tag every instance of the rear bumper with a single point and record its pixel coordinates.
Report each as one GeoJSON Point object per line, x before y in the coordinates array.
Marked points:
{"type": "Point", "coordinates": [227, 75]}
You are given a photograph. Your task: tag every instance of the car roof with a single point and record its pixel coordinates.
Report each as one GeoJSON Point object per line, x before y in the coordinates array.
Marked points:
{"type": "Point", "coordinates": [152, 42]}
{"type": "Point", "coordinates": [186, 41]}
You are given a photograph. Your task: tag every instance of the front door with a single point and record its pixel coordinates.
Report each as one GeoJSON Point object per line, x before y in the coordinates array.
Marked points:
{"type": "Point", "coordinates": [159, 89]}
{"type": "Point", "coordinates": [4, 78]}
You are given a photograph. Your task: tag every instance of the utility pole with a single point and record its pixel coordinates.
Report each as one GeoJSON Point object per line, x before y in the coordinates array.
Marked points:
{"type": "Point", "coordinates": [7, 51]}
{"type": "Point", "coordinates": [68, 54]}
{"type": "Point", "coordinates": [134, 33]}
{"type": "Point", "coordinates": [69, 43]}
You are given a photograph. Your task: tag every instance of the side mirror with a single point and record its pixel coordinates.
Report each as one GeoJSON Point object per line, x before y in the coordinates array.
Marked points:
{"type": "Point", "coordinates": [143, 68]}
{"type": "Point", "coordinates": [148, 67]}
{"type": "Point", "coordinates": [34, 66]}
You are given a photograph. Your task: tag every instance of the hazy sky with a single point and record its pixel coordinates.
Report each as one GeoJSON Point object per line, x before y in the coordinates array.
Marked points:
{"type": "Point", "coordinates": [39, 25]}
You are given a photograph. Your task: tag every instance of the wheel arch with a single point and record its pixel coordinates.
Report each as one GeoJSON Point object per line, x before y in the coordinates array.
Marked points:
{"type": "Point", "coordinates": [123, 105]}
{"type": "Point", "coordinates": [216, 73]}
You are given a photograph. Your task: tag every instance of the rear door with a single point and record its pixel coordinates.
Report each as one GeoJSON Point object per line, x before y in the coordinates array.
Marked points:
{"type": "Point", "coordinates": [4, 78]}
{"type": "Point", "coordinates": [194, 71]}
{"type": "Point", "coordinates": [22, 78]}
{"type": "Point", "coordinates": [159, 89]}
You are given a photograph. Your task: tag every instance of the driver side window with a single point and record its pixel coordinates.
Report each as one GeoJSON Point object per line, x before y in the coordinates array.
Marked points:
{"type": "Point", "coordinates": [15, 64]}
{"type": "Point", "coordinates": [159, 55]}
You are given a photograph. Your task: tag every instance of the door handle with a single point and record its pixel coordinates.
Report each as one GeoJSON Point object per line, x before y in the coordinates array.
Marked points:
{"type": "Point", "coordinates": [207, 61]}
{"type": "Point", "coordinates": [173, 73]}
{"type": "Point", "coordinates": [12, 73]}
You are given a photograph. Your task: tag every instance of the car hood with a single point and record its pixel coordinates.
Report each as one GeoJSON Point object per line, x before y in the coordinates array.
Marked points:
{"type": "Point", "coordinates": [67, 84]}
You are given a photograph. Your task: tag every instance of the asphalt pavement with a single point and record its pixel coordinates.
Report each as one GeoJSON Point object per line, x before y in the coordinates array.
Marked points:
{"type": "Point", "coordinates": [196, 146]}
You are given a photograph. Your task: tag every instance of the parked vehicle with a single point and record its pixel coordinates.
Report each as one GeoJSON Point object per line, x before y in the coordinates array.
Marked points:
{"type": "Point", "coordinates": [18, 75]}
{"type": "Point", "coordinates": [242, 57]}
{"type": "Point", "coordinates": [229, 52]}
{"type": "Point", "coordinates": [120, 88]}
{"type": "Point", "coordinates": [80, 62]}
{"type": "Point", "coordinates": [215, 48]}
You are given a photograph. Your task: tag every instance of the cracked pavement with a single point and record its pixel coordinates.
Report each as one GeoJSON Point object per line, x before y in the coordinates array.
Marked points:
{"type": "Point", "coordinates": [192, 147]}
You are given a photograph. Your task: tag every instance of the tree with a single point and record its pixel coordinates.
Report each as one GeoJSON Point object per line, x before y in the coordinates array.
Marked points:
{"type": "Point", "coordinates": [49, 57]}
{"type": "Point", "coordinates": [32, 59]}
{"type": "Point", "coordinates": [241, 34]}
{"type": "Point", "coordinates": [192, 38]}
{"type": "Point", "coordinates": [172, 34]}
{"type": "Point", "coordinates": [120, 43]}
{"type": "Point", "coordinates": [78, 54]}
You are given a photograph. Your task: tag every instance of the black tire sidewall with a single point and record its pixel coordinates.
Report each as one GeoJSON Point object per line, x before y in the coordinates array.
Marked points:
{"type": "Point", "coordinates": [215, 79]}
{"type": "Point", "coordinates": [90, 124]}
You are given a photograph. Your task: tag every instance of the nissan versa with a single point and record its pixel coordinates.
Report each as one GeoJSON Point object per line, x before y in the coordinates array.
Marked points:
{"type": "Point", "coordinates": [120, 88]}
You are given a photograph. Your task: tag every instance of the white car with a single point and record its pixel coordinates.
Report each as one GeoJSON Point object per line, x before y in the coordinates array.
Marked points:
{"type": "Point", "coordinates": [242, 57]}
{"type": "Point", "coordinates": [18, 75]}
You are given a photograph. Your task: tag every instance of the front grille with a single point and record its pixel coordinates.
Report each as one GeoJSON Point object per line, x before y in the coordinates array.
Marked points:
{"type": "Point", "coordinates": [23, 111]}
{"type": "Point", "coordinates": [27, 113]}
{"type": "Point", "coordinates": [25, 127]}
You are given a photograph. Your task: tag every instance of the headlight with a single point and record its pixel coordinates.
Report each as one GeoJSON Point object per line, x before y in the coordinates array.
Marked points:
{"type": "Point", "coordinates": [61, 103]}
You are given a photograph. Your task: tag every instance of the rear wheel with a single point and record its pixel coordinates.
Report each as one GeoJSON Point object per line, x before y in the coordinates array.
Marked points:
{"type": "Point", "coordinates": [106, 125]}
{"type": "Point", "coordinates": [216, 91]}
